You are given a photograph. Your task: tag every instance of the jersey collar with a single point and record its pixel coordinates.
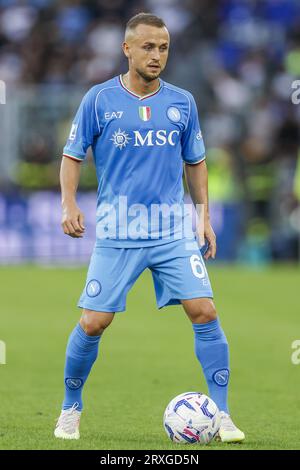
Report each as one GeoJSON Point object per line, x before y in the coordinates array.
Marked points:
{"type": "Point", "coordinates": [138, 96]}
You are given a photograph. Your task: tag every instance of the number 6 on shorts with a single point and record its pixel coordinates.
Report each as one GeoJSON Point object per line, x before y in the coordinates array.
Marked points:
{"type": "Point", "coordinates": [198, 267]}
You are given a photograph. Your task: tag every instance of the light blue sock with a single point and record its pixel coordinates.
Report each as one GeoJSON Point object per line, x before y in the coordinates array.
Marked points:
{"type": "Point", "coordinates": [82, 351]}
{"type": "Point", "coordinates": [211, 349]}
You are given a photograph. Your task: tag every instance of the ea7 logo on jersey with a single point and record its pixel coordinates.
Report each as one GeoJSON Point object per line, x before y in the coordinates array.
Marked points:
{"type": "Point", "coordinates": [114, 115]}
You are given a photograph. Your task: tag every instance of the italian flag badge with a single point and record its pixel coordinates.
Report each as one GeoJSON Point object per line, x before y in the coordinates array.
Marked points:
{"type": "Point", "coordinates": [145, 113]}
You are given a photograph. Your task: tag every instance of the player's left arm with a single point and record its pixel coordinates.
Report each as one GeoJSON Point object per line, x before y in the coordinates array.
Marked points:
{"type": "Point", "coordinates": [197, 181]}
{"type": "Point", "coordinates": [193, 155]}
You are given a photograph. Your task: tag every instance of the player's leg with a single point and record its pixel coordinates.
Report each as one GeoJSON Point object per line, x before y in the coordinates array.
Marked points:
{"type": "Point", "coordinates": [82, 352]}
{"type": "Point", "coordinates": [111, 274]}
{"type": "Point", "coordinates": [180, 276]}
{"type": "Point", "coordinates": [211, 348]}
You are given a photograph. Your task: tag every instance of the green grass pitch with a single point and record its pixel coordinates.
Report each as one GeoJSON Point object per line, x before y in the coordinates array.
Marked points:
{"type": "Point", "coordinates": [146, 358]}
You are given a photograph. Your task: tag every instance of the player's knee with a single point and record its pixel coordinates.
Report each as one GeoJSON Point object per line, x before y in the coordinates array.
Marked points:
{"type": "Point", "coordinates": [94, 323]}
{"type": "Point", "coordinates": [203, 311]}
{"type": "Point", "coordinates": [207, 312]}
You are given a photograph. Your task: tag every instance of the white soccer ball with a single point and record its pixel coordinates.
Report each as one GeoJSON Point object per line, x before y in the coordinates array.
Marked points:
{"type": "Point", "coordinates": [191, 418]}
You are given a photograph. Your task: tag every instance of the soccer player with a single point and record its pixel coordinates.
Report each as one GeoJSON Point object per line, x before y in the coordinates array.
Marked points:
{"type": "Point", "coordinates": [144, 132]}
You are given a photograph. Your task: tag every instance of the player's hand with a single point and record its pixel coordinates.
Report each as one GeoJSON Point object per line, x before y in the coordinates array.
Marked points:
{"type": "Point", "coordinates": [210, 237]}
{"type": "Point", "coordinates": [73, 221]}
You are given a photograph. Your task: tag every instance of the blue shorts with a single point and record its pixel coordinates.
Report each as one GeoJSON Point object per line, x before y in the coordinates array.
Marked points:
{"type": "Point", "coordinates": [178, 272]}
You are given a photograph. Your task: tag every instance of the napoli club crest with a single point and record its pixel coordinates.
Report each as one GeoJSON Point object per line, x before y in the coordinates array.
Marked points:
{"type": "Point", "coordinates": [221, 377]}
{"type": "Point", "coordinates": [93, 288]}
{"type": "Point", "coordinates": [173, 114]}
{"type": "Point", "coordinates": [73, 383]}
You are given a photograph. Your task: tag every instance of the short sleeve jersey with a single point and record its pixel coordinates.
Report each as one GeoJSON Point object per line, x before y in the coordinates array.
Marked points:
{"type": "Point", "coordinates": [139, 145]}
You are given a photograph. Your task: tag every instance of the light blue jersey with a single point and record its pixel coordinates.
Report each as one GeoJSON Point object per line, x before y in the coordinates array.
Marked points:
{"type": "Point", "coordinates": [139, 146]}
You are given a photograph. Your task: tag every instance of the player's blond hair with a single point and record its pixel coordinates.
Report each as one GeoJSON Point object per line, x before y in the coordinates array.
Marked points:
{"type": "Point", "coordinates": [144, 18]}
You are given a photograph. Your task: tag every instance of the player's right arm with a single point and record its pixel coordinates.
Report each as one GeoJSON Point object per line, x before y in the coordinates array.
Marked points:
{"type": "Point", "coordinates": [72, 217]}
{"type": "Point", "coordinates": [85, 128]}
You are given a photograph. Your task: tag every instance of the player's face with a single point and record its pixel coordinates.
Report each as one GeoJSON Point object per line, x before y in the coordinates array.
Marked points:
{"type": "Point", "coordinates": [147, 49]}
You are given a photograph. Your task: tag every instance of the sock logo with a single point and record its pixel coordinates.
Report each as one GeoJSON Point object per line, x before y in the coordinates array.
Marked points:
{"type": "Point", "coordinates": [74, 384]}
{"type": "Point", "coordinates": [93, 288]}
{"type": "Point", "coordinates": [221, 377]}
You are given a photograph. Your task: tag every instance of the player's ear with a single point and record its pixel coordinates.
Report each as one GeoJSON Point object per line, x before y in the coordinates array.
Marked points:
{"type": "Point", "coordinates": [125, 48]}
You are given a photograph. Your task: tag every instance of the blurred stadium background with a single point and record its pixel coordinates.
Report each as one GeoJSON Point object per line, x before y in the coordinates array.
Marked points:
{"type": "Point", "coordinates": [239, 59]}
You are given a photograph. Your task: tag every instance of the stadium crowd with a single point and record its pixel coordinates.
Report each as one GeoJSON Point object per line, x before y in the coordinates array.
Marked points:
{"type": "Point", "coordinates": [238, 58]}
